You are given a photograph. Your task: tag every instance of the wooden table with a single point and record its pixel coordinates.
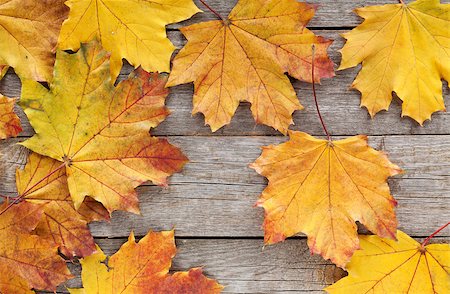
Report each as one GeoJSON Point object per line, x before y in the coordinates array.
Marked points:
{"type": "Point", "coordinates": [210, 203]}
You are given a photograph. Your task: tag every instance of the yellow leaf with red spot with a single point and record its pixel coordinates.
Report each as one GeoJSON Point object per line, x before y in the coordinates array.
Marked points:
{"type": "Point", "coordinates": [100, 132]}
{"type": "Point", "coordinates": [403, 48]}
{"type": "Point", "coordinates": [321, 188]}
{"type": "Point", "coordinates": [29, 32]}
{"type": "Point", "coordinates": [27, 261]}
{"type": "Point", "coordinates": [9, 121]}
{"type": "Point", "coordinates": [142, 267]}
{"type": "Point", "coordinates": [60, 222]}
{"type": "Point", "coordinates": [245, 58]}
{"type": "Point", "coordinates": [387, 266]}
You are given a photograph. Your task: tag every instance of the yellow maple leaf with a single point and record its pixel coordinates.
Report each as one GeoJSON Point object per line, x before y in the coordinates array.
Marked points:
{"type": "Point", "coordinates": [142, 267]}
{"type": "Point", "coordinates": [387, 266]}
{"type": "Point", "coordinates": [100, 132]}
{"type": "Point", "coordinates": [27, 261]}
{"type": "Point", "coordinates": [29, 32]}
{"type": "Point", "coordinates": [60, 222]}
{"type": "Point", "coordinates": [402, 48]}
{"type": "Point", "coordinates": [130, 29]}
{"type": "Point", "coordinates": [321, 188]}
{"type": "Point", "coordinates": [9, 121]}
{"type": "Point", "coordinates": [244, 58]}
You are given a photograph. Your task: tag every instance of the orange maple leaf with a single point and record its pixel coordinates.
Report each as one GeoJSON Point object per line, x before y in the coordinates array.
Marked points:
{"type": "Point", "coordinates": [27, 261]}
{"type": "Point", "coordinates": [142, 267]}
{"type": "Point", "coordinates": [60, 222]}
{"type": "Point", "coordinates": [100, 132]}
{"type": "Point", "coordinates": [9, 121]}
{"type": "Point", "coordinates": [321, 188]}
{"type": "Point", "coordinates": [244, 58]}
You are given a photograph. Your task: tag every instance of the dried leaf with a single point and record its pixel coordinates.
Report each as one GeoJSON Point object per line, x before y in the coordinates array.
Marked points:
{"type": "Point", "coordinates": [244, 58]}
{"type": "Point", "coordinates": [9, 121]}
{"type": "Point", "coordinates": [402, 48]}
{"type": "Point", "coordinates": [322, 188]}
{"type": "Point", "coordinates": [130, 29]}
{"type": "Point", "coordinates": [29, 34]}
{"type": "Point", "coordinates": [60, 222]}
{"type": "Point", "coordinates": [99, 131]}
{"type": "Point", "coordinates": [27, 261]}
{"type": "Point", "coordinates": [142, 267]}
{"type": "Point", "coordinates": [386, 266]}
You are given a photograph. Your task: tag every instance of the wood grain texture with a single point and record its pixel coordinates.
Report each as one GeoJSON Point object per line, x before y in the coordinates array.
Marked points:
{"type": "Point", "coordinates": [215, 193]}
{"type": "Point", "coordinates": [340, 107]}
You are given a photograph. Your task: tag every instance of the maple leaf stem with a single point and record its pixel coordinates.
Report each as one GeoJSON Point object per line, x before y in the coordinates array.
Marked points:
{"type": "Point", "coordinates": [211, 9]}
{"type": "Point", "coordinates": [18, 198]}
{"type": "Point", "coordinates": [401, 2]}
{"type": "Point", "coordinates": [315, 96]}
{"type": "Point", "coordinates": [425, 242]}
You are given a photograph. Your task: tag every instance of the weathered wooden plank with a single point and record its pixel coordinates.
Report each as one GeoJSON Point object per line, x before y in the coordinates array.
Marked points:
{"type": "Point", "coordinates": [225, 210]}
{"type": "Point", "coordinates": [330, 13]}
{"type": "Point", "coordinates": [339, 105]}
{"type": "Point", "coordinates": [215, 193]}
{"type": "Point", "coordinates": [224, 160]}
{"type": "Point", "coordinates": [244, 266]}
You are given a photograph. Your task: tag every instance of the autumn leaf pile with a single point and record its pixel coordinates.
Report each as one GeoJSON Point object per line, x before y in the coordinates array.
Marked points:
{"type": "Point", "coordinates": [92, 144]}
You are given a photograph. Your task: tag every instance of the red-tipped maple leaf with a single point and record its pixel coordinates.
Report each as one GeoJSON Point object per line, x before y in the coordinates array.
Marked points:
{"type": "Point", "coordinates": [142, 268]}
{"type": "Point", "coordinates": [60, 222]}
{"type": "Point", "coordinates": [100, 132]}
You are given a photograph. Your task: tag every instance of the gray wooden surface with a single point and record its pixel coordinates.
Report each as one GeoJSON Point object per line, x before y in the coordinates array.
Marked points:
{"type": "Point", "coordinates": [210, 203]}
